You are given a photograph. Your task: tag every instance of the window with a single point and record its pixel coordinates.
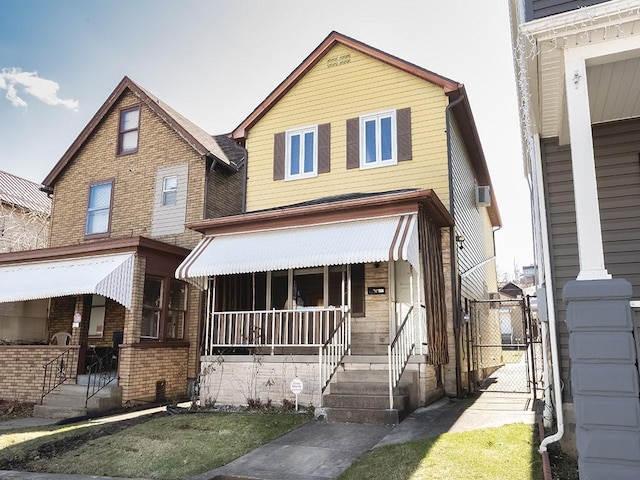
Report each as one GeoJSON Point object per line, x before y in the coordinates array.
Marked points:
{"type": "Point", "coordinates": [98, 211]}
{"type": "Point", "coordinates": [302, 153]}
{"type": "Point", "coordinates": [163, 309]}
{"type": "Point", "coordinates": [169, 191]}
{"type": "Point", "coordinates": [378, 140]}
{"type": "Point", "coordinates": [128, 131]}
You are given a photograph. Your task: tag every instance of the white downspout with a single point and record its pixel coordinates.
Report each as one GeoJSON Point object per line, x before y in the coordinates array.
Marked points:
{"type": "Point", "coordinates": [536, 172]}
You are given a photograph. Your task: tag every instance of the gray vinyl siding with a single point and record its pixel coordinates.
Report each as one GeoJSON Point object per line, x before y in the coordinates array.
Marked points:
{"type": "Point", "coordinates": [224, 192]}
{"type": "Point", "coordinates": [616, 147]}
{"type": "Point", "coordinates": [469, 220]}
{"type": "Point", "coordinates": [543, 8]}
{"type": "Point", "coordinates": [169, 219]}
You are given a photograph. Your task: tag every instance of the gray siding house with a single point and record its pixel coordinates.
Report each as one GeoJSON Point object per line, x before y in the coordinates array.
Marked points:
{"type": "Point", "coordinates": [577, 65]}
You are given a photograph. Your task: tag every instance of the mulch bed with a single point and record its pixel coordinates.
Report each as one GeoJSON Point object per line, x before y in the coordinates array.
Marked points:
{"type": "Point", "coordinates": [10, 409]}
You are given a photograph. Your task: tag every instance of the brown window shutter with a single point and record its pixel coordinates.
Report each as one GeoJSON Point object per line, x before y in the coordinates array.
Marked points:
{"type": "Point", "coordinates": [353, 143]}
{"type": "Point", "coordinates": [403, 125]}
{"type": "Point", "coordinates": [324, 148]}
{"type": "Point", "coordinates": [279, 149]}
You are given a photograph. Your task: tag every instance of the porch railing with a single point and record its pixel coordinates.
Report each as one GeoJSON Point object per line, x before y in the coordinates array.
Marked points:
{"type": "Point", "coordinates": [399, 351]}
{"type": "Point", "coordinates": [307, 327]}
{"type": "Point", "coordinates": [58, 371]}
{"type": "Point", "coordinates": [333, 351]}
{"type": "Point", "coordinates": [101, 373]}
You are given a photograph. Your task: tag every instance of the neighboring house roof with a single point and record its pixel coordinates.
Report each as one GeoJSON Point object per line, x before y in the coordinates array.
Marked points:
{"type": "Point", "coordinates": [200, 141]}
{"type": "Point", "coordinates": [23, 193]}
{"type": "Point", "coordinates": [453, 89]}
{"type": "Point", "coordinates": [511, 289]}
{"type": "Point", "coordinates": [234, 152]}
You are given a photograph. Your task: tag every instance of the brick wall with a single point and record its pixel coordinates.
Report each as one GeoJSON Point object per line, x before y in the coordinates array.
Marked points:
{"type": "Point", "coordinates": [224, 192]}
{"type": "Point", "coordinates": [142, 366]}
{"type": "Point", "coordinates": [134, 179]}
{"type": "Point", "coordinates": [61, 314]}
{"type": "Point", "coordinates": [23, 380]}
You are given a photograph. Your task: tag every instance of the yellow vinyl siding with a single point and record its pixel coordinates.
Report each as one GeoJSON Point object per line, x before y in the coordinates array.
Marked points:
{"type": "Point", "coordinates": [333, 95]}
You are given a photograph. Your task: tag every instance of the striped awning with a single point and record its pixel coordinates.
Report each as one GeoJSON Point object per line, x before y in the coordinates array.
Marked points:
{"type": "Point", "coordinates": [355, 241]}
{"type": "Point", "coordinates": [107, 275]}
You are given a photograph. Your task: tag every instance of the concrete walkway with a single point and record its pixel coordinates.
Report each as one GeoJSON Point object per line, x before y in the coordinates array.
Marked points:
{"type": "Point", "coordinates": [322, 450]}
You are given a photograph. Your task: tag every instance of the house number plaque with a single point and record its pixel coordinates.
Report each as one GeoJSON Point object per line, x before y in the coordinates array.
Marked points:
{"type": "Point", "coordinates": [376, 290]}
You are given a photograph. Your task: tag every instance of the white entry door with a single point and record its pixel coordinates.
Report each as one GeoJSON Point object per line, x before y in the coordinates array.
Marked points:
{"type": "Point", "coordinates": [404, 284]}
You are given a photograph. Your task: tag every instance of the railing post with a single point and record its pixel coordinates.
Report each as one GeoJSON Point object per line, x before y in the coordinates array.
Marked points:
{"type": "Point", "coordinates": [390, 378]}
{"type": "Point", "coordinates": [273, 331]}
{"type": "Point", "coordinates": [320, 373]}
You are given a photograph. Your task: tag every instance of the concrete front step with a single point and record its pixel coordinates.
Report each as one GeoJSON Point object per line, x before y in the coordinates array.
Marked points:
{"type": "Point", "coordinates": [49, 411]}
{"type": "Point", "coordinates": [362, 376]}
{"type": "Point", "coordinates": [368, 349]}
{"type": "Point", "coordinates": [362, 388]}
{"type": "Point", "coordinates": [96, 379]}
{"type": "Point", "coordinates": [376, 402]}
{"type": "Point", "coordinates": [69, 401]}
{"type": "Point", "coordinates": [365, 415]}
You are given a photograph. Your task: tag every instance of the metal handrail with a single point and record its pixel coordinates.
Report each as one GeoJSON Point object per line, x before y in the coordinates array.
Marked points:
{"type": "Point", "coordinates": [333, 351]}
{"type": "Point", "coordinates": [99, 379]}
{"type": "Point", "coordinates": [58, 371]}
{"type": "Point", "coordinates": [399, 352]}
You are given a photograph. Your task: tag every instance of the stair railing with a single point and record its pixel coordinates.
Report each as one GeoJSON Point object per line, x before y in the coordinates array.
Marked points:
{"type": "Point", "coordinates": [58, 371]}
{"type": "Point", "coordinates": [399, 352]}
{"type": "Point", "coordinates": [98, 378]}
{"type": "Point", "coordinates": [331, 354]}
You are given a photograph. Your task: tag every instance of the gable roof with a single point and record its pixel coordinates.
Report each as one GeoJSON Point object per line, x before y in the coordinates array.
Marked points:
{"type": "Point", "coordinates": [308, 63]}
{"type": "Point", "coordinates": [454, 90]}
{"type": "Point", "coordinates": [21, 192]}
{"type": "Point", "coordinates": [203, 143]}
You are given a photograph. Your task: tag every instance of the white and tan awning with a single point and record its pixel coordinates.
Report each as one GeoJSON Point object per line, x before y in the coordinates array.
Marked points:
{"type": "Point", "coordinates": [107, 275]}
{"type": "Point", "coordinates": [355, 241]}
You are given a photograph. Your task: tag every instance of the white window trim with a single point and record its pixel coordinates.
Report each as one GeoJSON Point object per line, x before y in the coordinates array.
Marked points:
{"type": "Point", "coordinates": [394, 140]}
{"type": "Point", "coordinates": [91, 210]}
{"type": "Point", "coordinates": [166, 190]}
{"type": "Point", "coordinates": [287, 164]}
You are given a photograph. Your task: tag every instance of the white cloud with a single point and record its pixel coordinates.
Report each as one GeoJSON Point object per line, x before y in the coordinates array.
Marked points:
{"type": "Point", "coordinates": [12, 79]}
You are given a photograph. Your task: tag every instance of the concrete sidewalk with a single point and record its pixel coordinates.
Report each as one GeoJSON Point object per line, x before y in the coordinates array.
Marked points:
{"type": "Point", "coordinates": [322, 450]}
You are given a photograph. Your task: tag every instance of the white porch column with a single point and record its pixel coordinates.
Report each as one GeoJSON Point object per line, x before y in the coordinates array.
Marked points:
{"type": "Point", "coordinates": [590, 250]}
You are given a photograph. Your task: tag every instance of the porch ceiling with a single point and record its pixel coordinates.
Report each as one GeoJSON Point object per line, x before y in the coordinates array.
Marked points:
{"type": "Point", "coordinates": [107, 275]}
{"type": "Point", "coordinates": [338, 243]}
{"type": "Point", "coordinates": [613, 81]}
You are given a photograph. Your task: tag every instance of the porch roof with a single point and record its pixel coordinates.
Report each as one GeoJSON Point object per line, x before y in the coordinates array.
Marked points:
{"type": "Point", "coordinates": [108, 275]}
{"type": "Point", "coordinates": [379, 239]}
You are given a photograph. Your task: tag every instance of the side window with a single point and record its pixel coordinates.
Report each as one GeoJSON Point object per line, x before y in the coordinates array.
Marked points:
{"type": "Point", "coordinates": [163, 309]}
{"type": "Point", "coordinates": [169, 190]}
{"type": "Point", "coordinates": [379, 139]}
{"type": "Point", "coordinates": [151, 307]}
{"type": "Point", "coordinates": [99, 209]}
{"type": "Point", "coordinates": [98, 312]}
{"type": "Point", "coordinates": [302, 153]}
{"type": "Point", "coordinates": [128, 129]}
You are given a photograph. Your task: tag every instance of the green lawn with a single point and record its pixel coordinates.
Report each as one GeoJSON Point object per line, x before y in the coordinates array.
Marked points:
{"type": "Point", "coordinates": [170, 447]}
{"type": "Point", "coordinates": [507, 452]}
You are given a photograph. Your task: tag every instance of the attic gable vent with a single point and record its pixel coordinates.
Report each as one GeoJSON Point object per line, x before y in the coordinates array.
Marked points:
{"type": "Point", "coordinates": [483, 196]}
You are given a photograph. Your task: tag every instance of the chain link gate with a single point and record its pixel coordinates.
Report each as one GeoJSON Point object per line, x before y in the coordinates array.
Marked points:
{"type": "Point", "coordinates": [506, 346]}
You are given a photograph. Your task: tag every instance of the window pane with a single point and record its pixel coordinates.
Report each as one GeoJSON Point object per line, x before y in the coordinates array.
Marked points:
{"type": "Point", "coordinates": [129, 141]}
{"type": "Point", "coordinates": [385, 140]}
{"type": "Point", "coordinates": [100, 196]}
{"type": "Point", "coordinates": [295, 155]}
{"type": "Point", "coordinates": [370, 139]}
{"type": "Point", "coordinates": [177, 295]}
{"type": "Point", "coordinates": [150, 323]}
{"type": "Point", "coordinates": [308, 152]}
{"type": "Point", "coordinates": [170, 183]}
{"type": "Point", "coordinates": [130, 120]}
{"type": "Point", "coordinates": [98, 221]}
{"type": "Point", "coordinates": [175, 324]}
{"type": "Point", "coordinates": [152, 296]}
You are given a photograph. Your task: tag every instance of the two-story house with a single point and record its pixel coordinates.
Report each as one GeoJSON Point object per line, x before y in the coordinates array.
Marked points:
{"type": "Point", "coordinates": [121, 194]}
{"type": "Point", "coordinates": [578, 64]}
{"type": "Point", "coordinates": [346, 272]}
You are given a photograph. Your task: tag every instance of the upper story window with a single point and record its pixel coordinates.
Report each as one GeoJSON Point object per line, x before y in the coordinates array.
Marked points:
{"type": "Point", "coordinates": [169, 191]}
{"type": "Point", "coordinates": [99, 208]}
{"type": "Point", "coordinates": [128, 130]}
{"type": "Point", "coordinates": [379, 139]}
{"type": "Point", "coordinates": [378, 145]}
{"type": "Point", "coordinates": [302, 153]}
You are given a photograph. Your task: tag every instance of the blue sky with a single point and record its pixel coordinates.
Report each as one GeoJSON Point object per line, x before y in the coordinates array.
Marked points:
{"type": "Point", "coordinates": [215, 61]}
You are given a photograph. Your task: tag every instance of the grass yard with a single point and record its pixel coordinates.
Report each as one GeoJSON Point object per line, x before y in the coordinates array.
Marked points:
{"type": "Point", "coordinates": [507, 452]}
{"type": "Point", "coordinates": [164, 447]}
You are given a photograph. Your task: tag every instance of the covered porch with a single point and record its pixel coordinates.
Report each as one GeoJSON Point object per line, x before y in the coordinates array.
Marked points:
{"type": "Point", "coordinates": [86, 305]}
{"type": "Point", "coordinates": [305, 292]}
